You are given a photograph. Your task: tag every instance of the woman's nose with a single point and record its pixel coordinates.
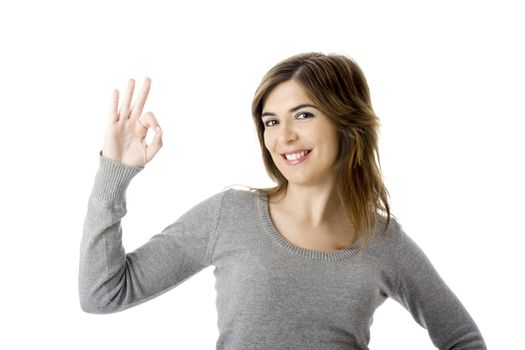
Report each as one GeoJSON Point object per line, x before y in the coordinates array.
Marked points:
{"type": "Point", "coordinates": [288, 133]}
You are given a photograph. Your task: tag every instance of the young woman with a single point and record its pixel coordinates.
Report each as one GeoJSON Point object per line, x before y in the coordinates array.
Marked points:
{"type": "Point", "coordinates": [302, 265]}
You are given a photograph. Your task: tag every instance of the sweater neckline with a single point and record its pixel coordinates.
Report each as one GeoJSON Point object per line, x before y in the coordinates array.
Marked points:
{"type": "Point", "coordinates": [281, 241]}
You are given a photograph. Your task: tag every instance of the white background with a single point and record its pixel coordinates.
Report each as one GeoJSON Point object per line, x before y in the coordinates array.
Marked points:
{"type": "Point", "coordinates": [447, 81]}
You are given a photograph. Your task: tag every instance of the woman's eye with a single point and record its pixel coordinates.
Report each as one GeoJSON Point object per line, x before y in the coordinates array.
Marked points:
{"type": "Point", "coordinates": [302, 115]}
{"type": "Point", "coordinates": [305, 114]}
{"type": "Point", "coordinates": [270, 122]}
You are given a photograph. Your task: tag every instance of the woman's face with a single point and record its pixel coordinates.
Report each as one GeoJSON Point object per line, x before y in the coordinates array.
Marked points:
{"type": "Point", "coordinates": [294, 126]}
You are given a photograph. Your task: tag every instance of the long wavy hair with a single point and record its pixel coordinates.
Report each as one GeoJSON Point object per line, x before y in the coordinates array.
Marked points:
{"type": "Point", "coordinates": [338, 87]}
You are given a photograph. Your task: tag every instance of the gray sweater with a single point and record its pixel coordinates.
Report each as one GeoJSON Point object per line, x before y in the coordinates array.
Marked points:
{"type": "Point", "coordinates": [271, 294]}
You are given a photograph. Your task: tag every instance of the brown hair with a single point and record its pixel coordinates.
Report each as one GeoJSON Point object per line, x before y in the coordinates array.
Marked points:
{"type": "Point", "coordinates": [338, 87]}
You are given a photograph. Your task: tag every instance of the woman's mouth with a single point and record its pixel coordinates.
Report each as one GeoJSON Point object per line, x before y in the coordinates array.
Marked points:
{"type": "Point", "coordinates": [296, 157]}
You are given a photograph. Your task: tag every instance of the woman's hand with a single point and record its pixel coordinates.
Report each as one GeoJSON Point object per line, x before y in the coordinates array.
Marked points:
{"type": "Point", "coordinates": [125, 140]}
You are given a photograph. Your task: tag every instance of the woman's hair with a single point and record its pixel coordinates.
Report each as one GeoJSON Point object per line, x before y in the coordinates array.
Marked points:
{"type": "Point", "coordinates": [338, 88]}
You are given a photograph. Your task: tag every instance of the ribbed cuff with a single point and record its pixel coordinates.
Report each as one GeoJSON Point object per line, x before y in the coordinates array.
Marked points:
{"type": "Point", "coordinates": [112, 180]}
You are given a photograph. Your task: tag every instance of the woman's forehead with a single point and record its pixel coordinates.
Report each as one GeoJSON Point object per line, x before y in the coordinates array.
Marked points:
{"type": "Point", "coordinates": [285, 96]}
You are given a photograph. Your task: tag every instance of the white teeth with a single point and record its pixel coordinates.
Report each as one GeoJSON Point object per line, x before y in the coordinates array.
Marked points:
{"type": "Point", "coordinates": [295, 156]}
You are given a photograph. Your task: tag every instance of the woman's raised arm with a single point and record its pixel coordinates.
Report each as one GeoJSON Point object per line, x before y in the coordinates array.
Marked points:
{"type": "Point", "coordinates": [110, 279]}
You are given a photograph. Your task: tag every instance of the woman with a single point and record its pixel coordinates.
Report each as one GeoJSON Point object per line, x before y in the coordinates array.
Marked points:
{"type": "Point", "coordinates": [303, 265]}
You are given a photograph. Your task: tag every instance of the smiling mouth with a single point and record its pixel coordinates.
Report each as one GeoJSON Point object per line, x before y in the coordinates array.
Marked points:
{"type": "Point", "coordinates": [295, 156]}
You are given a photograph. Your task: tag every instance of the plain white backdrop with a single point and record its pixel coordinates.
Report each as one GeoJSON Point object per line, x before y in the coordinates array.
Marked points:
{"type": "Point", "coordinates": [446, 79]}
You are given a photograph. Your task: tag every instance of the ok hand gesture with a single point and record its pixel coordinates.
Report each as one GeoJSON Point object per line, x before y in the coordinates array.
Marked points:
{"type": "Point", "coordinates": [125, 139]}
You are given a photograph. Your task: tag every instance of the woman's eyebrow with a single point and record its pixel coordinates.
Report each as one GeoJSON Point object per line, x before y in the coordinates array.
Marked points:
{"type": "Point", "coordinates": [290, 111]}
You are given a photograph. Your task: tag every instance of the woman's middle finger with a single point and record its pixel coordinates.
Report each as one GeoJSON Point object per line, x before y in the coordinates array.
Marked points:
{"type": "Point", "coordinates": [138, 106]}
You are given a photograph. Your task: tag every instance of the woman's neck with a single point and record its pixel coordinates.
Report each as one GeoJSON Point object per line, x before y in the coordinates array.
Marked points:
{"type": "Point", "coordinates": [314, 206]}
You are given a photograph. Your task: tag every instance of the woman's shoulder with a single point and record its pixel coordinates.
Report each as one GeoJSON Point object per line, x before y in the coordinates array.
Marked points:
{"type": "Point", "coordinates": [212, 205]}
{"type": "Point", "coordinates": [394, 240]}
{"type": "Point", "coordinates": [387, 225]}
{"type": "Point", "coordinates": [388, 234]}
{"type": "Point", "coordinates": [243, 192]}
{"type": "Point", "coordinates": [235, 196]}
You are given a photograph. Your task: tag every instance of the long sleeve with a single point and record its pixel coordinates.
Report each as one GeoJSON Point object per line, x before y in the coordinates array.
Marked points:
{"type": "Point", "coordinates": [432, 304]}
{"type": "Point", "coordinates": [111, 280]}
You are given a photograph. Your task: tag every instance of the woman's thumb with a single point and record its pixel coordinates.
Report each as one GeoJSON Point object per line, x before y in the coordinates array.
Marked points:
{"type": "Point", "coordinates": [155, 145]}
